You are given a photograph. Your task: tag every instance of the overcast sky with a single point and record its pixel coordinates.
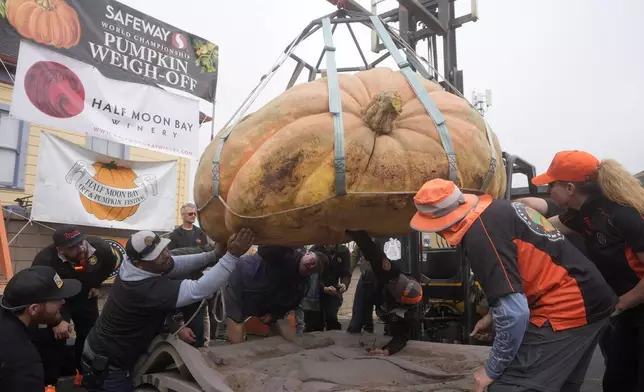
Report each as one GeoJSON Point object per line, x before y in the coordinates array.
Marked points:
{"type": "Point", "coordinates": [564, 74]}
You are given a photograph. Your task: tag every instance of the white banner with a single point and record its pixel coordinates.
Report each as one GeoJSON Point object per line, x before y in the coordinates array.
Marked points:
{"type": "Point", "coordinates": [58, 91]}
{"type": "Point", "coordinates": [78, 186]}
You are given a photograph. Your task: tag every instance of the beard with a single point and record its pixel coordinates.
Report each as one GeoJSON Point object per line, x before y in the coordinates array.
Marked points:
{"type": "Point", "coordinates": [47, 318]}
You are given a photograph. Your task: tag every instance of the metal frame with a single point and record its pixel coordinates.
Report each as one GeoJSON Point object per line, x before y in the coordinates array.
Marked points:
{"type": "Point", "coordinates": [515, 164]}
{"type": "Point", "coordinates": [20, 169]}
{"type": "Point", "coordinates": [350, 12]}
{"type": "Point", "coordinates": [409, 15]}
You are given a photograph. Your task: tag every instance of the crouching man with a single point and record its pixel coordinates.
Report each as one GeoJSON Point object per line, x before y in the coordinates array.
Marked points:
{"type": "Point", "coordinates": [396, 296]}
{"type": "Point", "coordinates": [268, 285]}
{"type": "Point", "coordinates": [548, 303]}
{"type": "Point", "coordinates": [148, 289]}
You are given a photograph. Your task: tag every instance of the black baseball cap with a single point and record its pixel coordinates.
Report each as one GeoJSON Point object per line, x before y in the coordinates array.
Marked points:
{"type": "Point", "coordinates": [36, 285]}
{"type": "Point", "coordinates": [67, 236]}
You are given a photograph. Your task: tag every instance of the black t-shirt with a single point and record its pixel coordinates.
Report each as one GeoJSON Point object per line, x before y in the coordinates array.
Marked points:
{"type": "Point", "coordinates": [20, 364]}
{"type": "Point", "coordinates": [514, 249]}
{"type": "Point", "coordinates": [133, 315]}
{"type": "Point", "coordinates": [182, 238]}
{"type": "Point", "coordinates": [576, 239]}
{"type": "Point", "coordinates": [613, 234]}
{"type": "Point", "coordinates": [98, 267]}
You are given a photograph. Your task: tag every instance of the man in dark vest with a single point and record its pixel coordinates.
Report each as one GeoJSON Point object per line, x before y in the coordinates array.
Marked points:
{"type": "Point", "coordinates": [89, 260]}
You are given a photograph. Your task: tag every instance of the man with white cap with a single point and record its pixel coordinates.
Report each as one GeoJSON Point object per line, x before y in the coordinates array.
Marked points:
{"type": "Point", "coordinates": [548, 303]}
{"type": "Point", "coordinates": [148, 289]}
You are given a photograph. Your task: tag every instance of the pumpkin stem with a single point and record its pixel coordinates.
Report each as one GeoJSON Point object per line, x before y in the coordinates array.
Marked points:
{"type": "Point", "coordinates": [112, 165]}
{"type": "Point", "coordinates": [45, 4]}
{"type": "Point", "coordinates": [382, 111]}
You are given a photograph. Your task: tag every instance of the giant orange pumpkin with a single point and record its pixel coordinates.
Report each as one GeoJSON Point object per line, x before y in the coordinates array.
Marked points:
{"type": "Point", "coordinates": [115, 176]}
{"type": "Point", "coordinates": [49, 22]}
{"type": "Point", "coordinates": [277, 168]}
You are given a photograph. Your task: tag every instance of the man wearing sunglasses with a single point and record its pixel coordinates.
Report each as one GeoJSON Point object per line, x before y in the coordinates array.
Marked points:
{"type": "Point", "coordinates": [187, 235]}
{"type": "Point", "coordinates": [149, 287]}
{"type": "Point", "coordinates": [181, 239]}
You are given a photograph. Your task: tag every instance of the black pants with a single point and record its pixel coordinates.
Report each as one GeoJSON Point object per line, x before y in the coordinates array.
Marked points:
{"type": "Point", "coordinates": [624, 348]}
{"type": "Point", "coordinates": [362, 311]}
{"type": "Point", "coordinates": [551, 361]}
{"type": "Point", "coordinates": [56, 357]}
{"type": "Point", "coordinates": [330, 305]}
{"type": "Point", "coordinates": [313, 321]}
{"type": "Point", "coordinates": [197, 323]}
{"type": "Point", "coordinates": [326, 317]}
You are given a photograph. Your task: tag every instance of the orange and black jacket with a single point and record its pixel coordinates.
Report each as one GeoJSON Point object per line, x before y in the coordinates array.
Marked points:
{"type": "Point", "coordinates": [613, 234]}
{"type": "Point", "coordinates": [514, 249]}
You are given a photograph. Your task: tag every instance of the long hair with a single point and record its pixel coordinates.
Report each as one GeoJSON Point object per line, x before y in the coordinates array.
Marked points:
{"type": "Point", "coordinates": [618, 185]}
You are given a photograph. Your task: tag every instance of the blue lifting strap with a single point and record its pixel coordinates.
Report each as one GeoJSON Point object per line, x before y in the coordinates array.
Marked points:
{"type": "Point", "coordinates": [421, 93]}
{"type": "Point", "coordinates": [335, 107]}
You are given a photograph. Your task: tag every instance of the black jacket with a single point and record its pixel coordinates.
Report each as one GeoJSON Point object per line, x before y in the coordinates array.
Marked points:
{"type": "Point", "coordinates": [385, 270]}
{"type": "Point", "coordinates": [98, 267]}
{"type": "Point", "coordinates": [20, 364]}
{"type": "Point", "coordinates": [271, 281]}
{"type": "Point", "coordinates": [339, 266]}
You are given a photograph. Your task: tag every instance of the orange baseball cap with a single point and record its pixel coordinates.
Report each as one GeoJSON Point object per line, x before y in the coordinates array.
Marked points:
{"type": "Point", "coordinates": [572, 166]}
{"type": "Point", "coordinates": [440, 204]}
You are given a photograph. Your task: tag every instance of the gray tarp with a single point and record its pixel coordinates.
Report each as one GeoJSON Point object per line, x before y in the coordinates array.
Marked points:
{"type": "Point", "coordinates": [336, 361]}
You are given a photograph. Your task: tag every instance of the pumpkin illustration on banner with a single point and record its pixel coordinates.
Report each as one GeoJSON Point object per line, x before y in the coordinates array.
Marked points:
{"type": "Point", "coordinates": [114, 176]}
{"type": "Point", "coordinates": [49, 22]}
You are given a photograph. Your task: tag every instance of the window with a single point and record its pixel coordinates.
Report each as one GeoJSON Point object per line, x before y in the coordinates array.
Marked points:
{"type": "Point", "coordinates": [108, 147]}
{"type": "Point", "coordinates": [14, 135]}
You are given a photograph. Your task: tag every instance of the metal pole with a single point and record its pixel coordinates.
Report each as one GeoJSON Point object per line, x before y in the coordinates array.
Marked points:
{"type": "Point", "coordinates": [212, 119]}
{"type": "Point", "coordinates": [468, 316]}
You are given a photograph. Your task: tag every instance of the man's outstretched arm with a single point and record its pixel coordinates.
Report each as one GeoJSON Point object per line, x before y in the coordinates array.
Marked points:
{"type": "Point", "coordinates": [382, 267]}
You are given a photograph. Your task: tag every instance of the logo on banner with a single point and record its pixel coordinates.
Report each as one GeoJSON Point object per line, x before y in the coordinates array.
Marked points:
{"type": "Point", "coordinates": [55, 89]}
{"type": "Point", "coordinates": [537, 223]}
{"type": "Point", "coordinates": [179, 41]}
{"type": "Point", "coordinates": [119, 252]}
{"type": "Point", "coordinates": [108, 191]}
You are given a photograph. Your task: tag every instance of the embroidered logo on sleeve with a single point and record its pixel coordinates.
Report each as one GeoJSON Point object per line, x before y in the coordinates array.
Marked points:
{"type": "Point", "coordinates": [537, 222]}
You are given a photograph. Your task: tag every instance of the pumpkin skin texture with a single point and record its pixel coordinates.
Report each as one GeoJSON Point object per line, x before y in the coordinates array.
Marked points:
{"type": "Point", "coordinates": [280, 158]}
{"type": "Point", "coordinates": [49, 22]}
{"type": "Point", "coordinates": [117, 177]}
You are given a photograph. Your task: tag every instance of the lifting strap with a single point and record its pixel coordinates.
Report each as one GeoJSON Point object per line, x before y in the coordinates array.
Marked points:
{"type": "Point", "coordinates": [421, 93]}
{"type": "Point", "coordinates": [335, 107]}
{"type": "Point", "coordinates": [490, 173]}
